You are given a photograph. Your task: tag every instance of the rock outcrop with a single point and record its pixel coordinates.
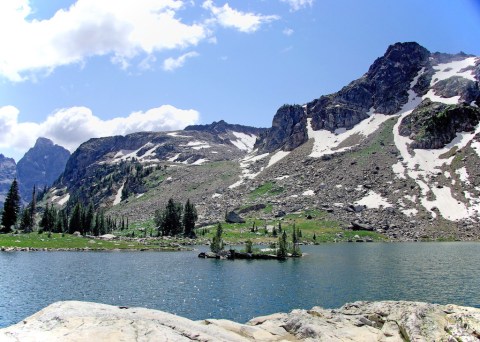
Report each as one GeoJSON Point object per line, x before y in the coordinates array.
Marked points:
{"type": "Point", "coordinates": [40, 166]}
{"type": "Point", "coordinates": [359, 321]}
{"type": "Point", "coordinates": [435, 124]}
{"type": "Point", "coordinates": [288, 131]}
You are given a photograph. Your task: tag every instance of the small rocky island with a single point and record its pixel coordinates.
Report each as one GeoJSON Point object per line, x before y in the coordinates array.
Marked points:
{"type": "Point", "coordinates": [359, 321]}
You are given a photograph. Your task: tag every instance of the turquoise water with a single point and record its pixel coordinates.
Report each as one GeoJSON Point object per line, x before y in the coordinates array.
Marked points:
{"type": "Point", "coordinates": [180, 283]}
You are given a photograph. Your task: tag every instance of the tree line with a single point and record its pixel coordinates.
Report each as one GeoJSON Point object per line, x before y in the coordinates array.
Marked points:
{"type": "Point", "coordinates": [83, 219]}
{"type": "Point", "coordinates": [176, 219]}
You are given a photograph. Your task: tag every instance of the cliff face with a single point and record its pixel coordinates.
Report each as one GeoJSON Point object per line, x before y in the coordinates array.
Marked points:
{"type": "Point", "coordinates": [40, 166]}
{"type": "Point", "coordinates": [359, 321]}
{"type": "Point", "coordinates": [288, 130]}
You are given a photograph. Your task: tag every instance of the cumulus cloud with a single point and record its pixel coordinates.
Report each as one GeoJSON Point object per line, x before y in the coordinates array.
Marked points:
{"type": "Point", "coordinates": [295, 5]}
{"type": "Point", "coordinates": [72, 126]}
{"type": "Point", "coordinates": [123, 29]}
{"type": "Point", "coordinates": [171, 64]}
{"type": "Point", "coordinates": [243, 21]}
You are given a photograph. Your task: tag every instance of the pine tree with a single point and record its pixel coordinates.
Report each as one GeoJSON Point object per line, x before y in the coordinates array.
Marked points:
{"type": "Point", "coordinates": [248, 246]}
{"type": "Point", "coordinates": [88, 219]}
{"type": "Point", "coordinates": [295, 249]}
{"type": "Point", "coordinates": [189, 218]}
{"type": "Point", "coordinates": [33, 209]}
{"type": "Point", "coordinates": [217, 243]}
{"type": "Point", "coordinates": [25, 221]}
{"type": "Point", "coordinates": [11, 208]}
{"type": "Point", "coordinates": [282, 245]}
{"type": "Point", "coordinates": [76, 219]}
{"type": "Point", "coordinates": [169, 221]}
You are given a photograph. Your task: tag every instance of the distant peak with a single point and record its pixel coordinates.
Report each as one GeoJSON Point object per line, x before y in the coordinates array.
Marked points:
{"type": "Point", "coordinates": [44, 142]}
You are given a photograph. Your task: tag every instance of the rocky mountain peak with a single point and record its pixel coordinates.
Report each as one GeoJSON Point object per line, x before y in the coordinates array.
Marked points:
{"type": "Point", "coordinates": [40, 166]}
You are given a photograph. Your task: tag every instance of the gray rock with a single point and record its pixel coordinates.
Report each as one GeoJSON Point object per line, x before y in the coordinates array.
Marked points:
{"type": "Point", "coordinates": [233, 217]}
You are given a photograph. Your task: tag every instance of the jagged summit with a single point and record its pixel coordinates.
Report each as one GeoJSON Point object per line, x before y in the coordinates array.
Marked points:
{"type": "Point", "coordinates": [40, 166]}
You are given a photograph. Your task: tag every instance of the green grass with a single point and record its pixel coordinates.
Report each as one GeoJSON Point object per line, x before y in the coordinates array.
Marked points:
{"type": "Point", "coordinates": [266, 189]}
{"type": "Point", "coordinates": [57, 241]}
{"type": "Point", "coordinates": [325, 229]}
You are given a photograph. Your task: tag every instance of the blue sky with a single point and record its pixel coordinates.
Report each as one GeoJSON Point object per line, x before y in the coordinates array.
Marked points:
{"type": "Point", "coordinates": [75, 69]}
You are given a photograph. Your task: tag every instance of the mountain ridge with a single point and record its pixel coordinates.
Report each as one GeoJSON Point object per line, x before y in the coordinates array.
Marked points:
{"type": "Point", "coordinates": [387, 151]}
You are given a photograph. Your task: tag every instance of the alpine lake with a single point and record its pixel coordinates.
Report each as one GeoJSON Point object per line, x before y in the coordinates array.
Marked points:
{"type": "Point", "coordinates": [329, 275]}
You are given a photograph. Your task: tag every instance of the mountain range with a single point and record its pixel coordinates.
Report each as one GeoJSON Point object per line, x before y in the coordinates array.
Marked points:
{"type": "Point", "coordinates": [396, 151]}
{"type": "Point", "coordinates": [40, 167]}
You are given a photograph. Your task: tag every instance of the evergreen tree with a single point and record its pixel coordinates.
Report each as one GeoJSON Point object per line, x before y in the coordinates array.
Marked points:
{"type": "Point", "coordinates": [48, 220]}
{"type": "Point", "coordinates": [169, 221]}
{"type": "Point", "coordinates": [76, 219]}
{"type": "Point", "coordinates": [248, 246]}
{"type": "Point", "coordinates": [33, 209]}
{"type": "Point", "coordinates": [189, 218]}
{"type": "Point", "coordinates": [25, 222]}
{"type": "Point", "coordinates": [88, 218]}
{"type": "Point", "coordinates": [11, 208]}
{"type": "Point", "coordinates": [295, 249]}
{"type": "Point", "coordinates": [217, 243]}
{"type": "Point", "coordinates": [282, 245]}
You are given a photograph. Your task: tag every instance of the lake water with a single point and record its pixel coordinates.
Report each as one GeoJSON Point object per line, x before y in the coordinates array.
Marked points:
{"type": "Point", "coordinates": [179, 282]}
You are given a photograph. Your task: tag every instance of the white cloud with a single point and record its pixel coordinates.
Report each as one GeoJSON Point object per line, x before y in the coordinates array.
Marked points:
{"type": "Point", "coordinates": [120, 30]}
{"type": "Point", "coordinates": [123, 29]}
{"type": "Point", "coordinates": [72, 126]}
{"type": "Point", "coordinates": [295, 5]}
{"type": "Point", "coordinates": [288, 31]}
{"type": "Point", "coordinates": [243, 21]}
{"type": "Point", "coordinates": [171, 64]}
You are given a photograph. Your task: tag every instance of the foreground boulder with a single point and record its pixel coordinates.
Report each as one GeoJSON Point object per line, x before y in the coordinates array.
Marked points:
{"type": "Point", "coordinates": [359, 321]}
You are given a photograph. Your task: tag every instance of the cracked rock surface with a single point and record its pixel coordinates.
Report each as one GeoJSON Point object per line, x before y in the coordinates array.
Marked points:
{"type": "Point", "coordinates": [359, 321]}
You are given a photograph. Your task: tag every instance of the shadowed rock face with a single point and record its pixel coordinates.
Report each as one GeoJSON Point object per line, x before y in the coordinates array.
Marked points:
{"type": "Point", "coordinates": [434, 124]}
{"type": "Point", "coordinates": [288, 131]}
{"type": "Point", "coordinates": [40, 166]}
{"type": "Point", "coordinates": [359, 321]}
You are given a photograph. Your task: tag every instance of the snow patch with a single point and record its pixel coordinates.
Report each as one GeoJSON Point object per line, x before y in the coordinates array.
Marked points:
{"type": "Point", "coordinates": [462, 173]}
{"type": "Point", "coordinates": [244, 142]}
{"type": "Point", "coordinates": [446, 70]}
{"type": "Point", "coordinates": [175, 157]}
{"type": "Point", "coordinates": [374, 201]}
{"type": "Point", "coordinates": [199, 161]}
{"type": "Point", "coordinates": [216, 195]}
{"type": "Point", "coordinates": [282, 177]}
{"type": "Point", "coordinates": [308, 193]}
{"type": "Point", "coordinates": [236, 184]}
{"type": "Point", "coordinates": [326, 142]}
{"type": "Point", "coordinates": [176, 134]}
{"type": "Point", "coordinates": [118, 196]}
{"type": "Point", "coordinates": [277, 157]}
{"type": "Point", "coordinates": [64, 199]}
{"type": "Point", "coordinates": [410, 212]}
{"type": "Point", "coordinates": [476, 147]}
